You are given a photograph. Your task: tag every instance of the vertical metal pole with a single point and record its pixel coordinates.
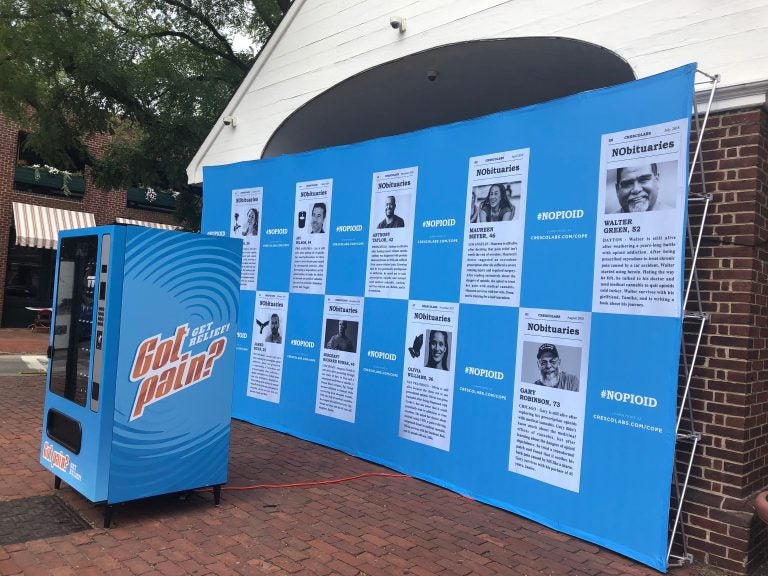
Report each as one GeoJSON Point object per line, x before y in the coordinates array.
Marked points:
{"type": "Point", "coordinates": [693, 279]}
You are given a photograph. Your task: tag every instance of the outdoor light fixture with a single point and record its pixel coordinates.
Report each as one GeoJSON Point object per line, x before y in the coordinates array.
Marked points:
{"type": "Point", "coordinates": [398, 23]}
{"type": "Point", "coordinates": [230, 121]}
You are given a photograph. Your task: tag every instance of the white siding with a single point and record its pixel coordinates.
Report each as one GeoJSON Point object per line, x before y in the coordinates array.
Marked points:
{"type": "Point", "coordinates": [323, 42]}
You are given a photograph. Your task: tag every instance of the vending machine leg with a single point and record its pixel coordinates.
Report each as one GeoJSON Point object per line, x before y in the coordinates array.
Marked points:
{"type": "Point", "coordinates": [217, 494]}
{"type": "Point", "coordinates": [56, 482]}
{"type": "Point", "coordinates": [107, 515]}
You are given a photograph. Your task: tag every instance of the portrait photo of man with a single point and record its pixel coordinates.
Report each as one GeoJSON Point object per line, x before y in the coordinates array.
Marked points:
{"type": "Point", "coordinates": [391, 220]}
{"type": "Point", "coordinates": [274, 330]}
{"type": "Point", "coordinates": [317, 222]}
{"type": "Point", "coordinates": [639, 188]}
{"type": "Point", "coordinates": [551, 374]}
{"type": "Point", "coordinates": [341, 340]}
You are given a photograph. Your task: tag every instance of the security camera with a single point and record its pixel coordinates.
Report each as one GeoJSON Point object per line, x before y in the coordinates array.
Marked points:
{"type": "Point", "coordinates": [230, 121]}
{"type": "Point", "coordinates": [398, 23]}
{"type": "Point", "coordinates": [432, 75]}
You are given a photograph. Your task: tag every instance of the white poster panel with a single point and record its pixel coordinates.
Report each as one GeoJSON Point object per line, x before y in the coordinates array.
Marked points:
{"type": "Point", "coordinates": [639, 237]}
{"type": "Point", "coordinates": [340, 358]}
{"type": "Point", "coordinates": [265, 371]}
{"type": "Point", "coordinates": [426, 404]}
{"type": "Point", "coordinates": [497, 187]}
{"type": "Point", "coordinates": [244, 224]}
{"type": "Point", "coordinates": [390, 236]}
{"type": "Point", "coordinates": [310, 239]}
{"type": "Point", "coordinates": [550, 396]}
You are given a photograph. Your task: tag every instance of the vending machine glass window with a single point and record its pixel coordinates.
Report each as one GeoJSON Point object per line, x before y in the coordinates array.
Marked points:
{"type": "Point", "coordinates": [71, 352]}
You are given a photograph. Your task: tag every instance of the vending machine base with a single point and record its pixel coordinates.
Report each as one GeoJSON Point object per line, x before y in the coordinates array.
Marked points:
{"type": "Point", "coordinates": [142, 351]}
{"type": "Point", "coordinates": [109, 508]}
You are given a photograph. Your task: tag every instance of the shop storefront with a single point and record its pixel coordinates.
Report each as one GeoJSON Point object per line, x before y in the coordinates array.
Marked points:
{"type": "Point", "coordinates": [36, 203]}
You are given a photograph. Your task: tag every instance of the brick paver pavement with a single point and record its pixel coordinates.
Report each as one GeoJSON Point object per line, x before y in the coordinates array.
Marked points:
{"type": "Point", "coordinates": [371, 526]}
{"type": "Point", "coordinates": [23, 341]}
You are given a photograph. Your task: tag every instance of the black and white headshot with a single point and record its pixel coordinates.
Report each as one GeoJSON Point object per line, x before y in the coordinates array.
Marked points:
{"type": "Point", "coordinates": [438, 352]}
{"type": "Point", "coordinates": [317, 222]}
{"type": "Point", "coordinates": [341, 335]}
{"type": "Point", "coordinates": [252, 222]}
{"type": "Point", "coordinates": [496, 202]}
{"type": "Point", "coordinates": [646, 187]}
{"type": "Point", "coordinates": [274, 335]}
{"type": "Point", "coordinates": [554, 366]}
{"type": "Point", "coordinates": [251, 225]}
{"type": "Point", "coordinates": [391, 219]}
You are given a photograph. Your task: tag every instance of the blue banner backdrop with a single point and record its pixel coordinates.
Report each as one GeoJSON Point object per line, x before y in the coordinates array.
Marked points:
{"type": "Point", "coordinates": [513, 335]}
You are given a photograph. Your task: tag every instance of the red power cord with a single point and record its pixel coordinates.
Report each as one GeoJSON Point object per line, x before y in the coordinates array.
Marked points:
{"type": "Point", "coordinates": [315, 483]}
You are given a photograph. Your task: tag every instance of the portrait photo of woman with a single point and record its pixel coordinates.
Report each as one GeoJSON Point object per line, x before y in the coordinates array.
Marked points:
{"type": "Point", "coordinates": [438, 350]}
{"type": "Point", "coordinates": [252, 225]}
{"type": "Point", "coordinates": [496, 206]}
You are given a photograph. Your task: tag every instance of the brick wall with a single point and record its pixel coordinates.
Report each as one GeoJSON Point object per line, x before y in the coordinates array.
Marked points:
{"type": "Point", "coordinates": [106, 205]}
{"type": "Point", "coordinates": [729, 390]}
{"type": "Point", "coordinates": [8, 138]}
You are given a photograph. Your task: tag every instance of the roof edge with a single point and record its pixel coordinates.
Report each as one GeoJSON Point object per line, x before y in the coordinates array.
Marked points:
{"type": "Point", "coordinates": [735, 96]}
{"type": "Point", "coordinates": [195, 168]}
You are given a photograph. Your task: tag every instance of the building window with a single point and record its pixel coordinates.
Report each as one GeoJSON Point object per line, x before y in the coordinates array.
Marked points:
{"type": "Point", "coordinates": [41, 180]}
{"type": "Point", "coordinates": [163, 202]}
{"type": "Point", "coordinates": [29, 282]}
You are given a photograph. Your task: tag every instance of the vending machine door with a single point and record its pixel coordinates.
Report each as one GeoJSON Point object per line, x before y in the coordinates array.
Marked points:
{"type": "Point", "coordinates": [73, 423]}
{"type": "Point", "coordinates": [173, 391]}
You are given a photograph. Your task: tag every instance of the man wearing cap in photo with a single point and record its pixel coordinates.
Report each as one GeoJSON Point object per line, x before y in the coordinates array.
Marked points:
{"type": "Point", "coordinates": [548, 361]}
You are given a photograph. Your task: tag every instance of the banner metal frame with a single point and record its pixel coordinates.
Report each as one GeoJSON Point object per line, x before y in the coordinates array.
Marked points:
{"type": "Point", "coordinates": [687, 438]}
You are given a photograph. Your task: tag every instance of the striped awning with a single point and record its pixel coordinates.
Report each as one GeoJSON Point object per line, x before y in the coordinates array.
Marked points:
{"type": "Point", "coordinates": [146, 224]}
{"type": "Point", "coordinates": [38, 226]}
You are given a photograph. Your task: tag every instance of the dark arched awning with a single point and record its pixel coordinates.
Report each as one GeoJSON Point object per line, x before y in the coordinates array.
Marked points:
{"type": "Point", "coordinates": [447, 84]}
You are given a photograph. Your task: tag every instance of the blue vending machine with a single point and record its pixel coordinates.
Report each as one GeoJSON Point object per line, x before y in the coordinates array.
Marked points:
{"type": "Point", "coordinates": [141, 365]}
